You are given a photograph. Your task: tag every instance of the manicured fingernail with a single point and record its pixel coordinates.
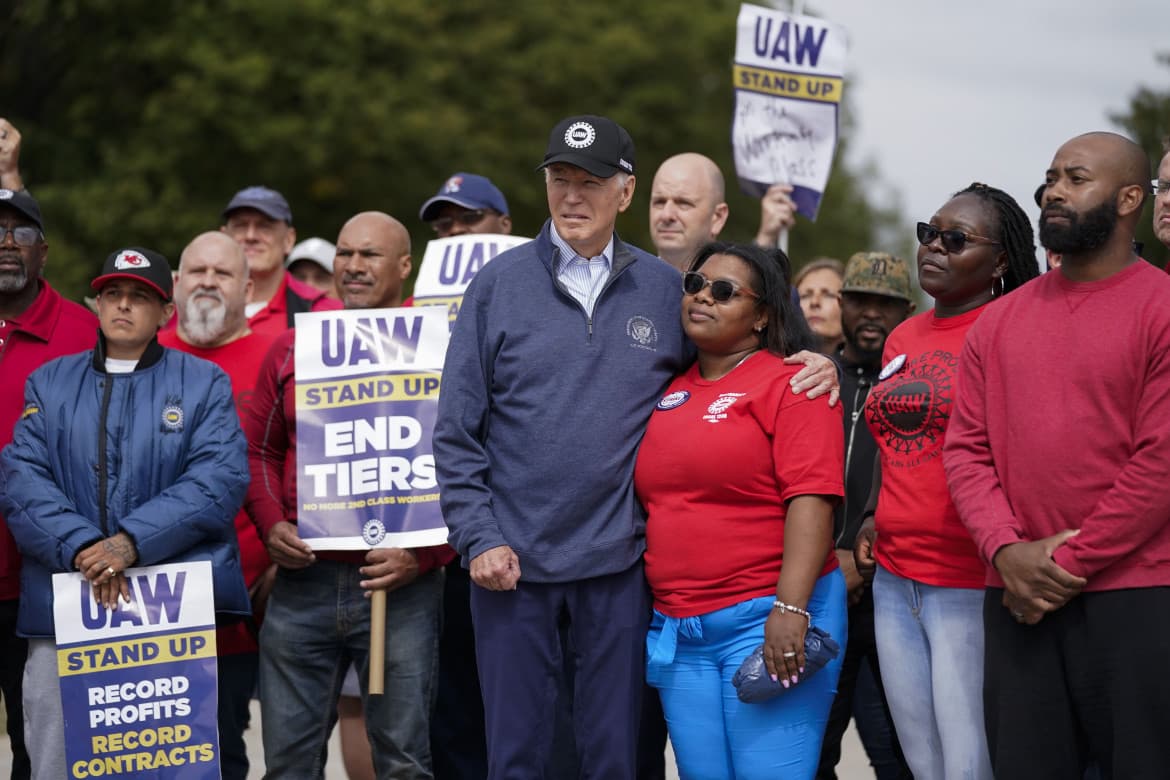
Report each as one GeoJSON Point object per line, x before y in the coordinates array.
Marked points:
{"type": "Point", "coordinates": [794, 679]}
{"type": "Point", "coordinates": [774, 679]}
{"type": "Point", "coordinates": [802, 670]}
{"type": "Point", "coordinates": [784, 683]}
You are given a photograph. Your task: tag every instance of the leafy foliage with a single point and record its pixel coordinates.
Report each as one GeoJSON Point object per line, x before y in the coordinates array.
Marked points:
{"type": "Point", "coordinates": [141, 118]}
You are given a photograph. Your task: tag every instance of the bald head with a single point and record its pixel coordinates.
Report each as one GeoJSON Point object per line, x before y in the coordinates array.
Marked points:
{"type": "Point", "coordinates": [372, 262]}
{"type": "Point", "coordinates": [211, 290]}
{"type": "Point", "coordinates": [1130, 161]}
{"type": "Point", "coordinates": [218, 243]}
{"type": "Point", "coordinates": [686, 207]}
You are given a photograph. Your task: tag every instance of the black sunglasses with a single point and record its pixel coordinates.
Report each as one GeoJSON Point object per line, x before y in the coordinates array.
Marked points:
{"type": "Point", "coordinates": [952, 240]}
{"type": "Point", "coordinates": [23, 235]}
{"type": "Point", "coordinates": [722, 290]}
{"type": "Point", "coordinates": [465, 218]}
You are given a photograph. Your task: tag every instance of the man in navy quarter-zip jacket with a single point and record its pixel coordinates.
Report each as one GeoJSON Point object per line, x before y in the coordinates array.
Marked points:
{"type": "Point", "coordinates": [129, 454]}
{"type": "Point", "coordinates": [559, 354]}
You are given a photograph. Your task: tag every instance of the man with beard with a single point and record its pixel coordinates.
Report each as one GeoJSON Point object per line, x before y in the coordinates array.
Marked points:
{"type": "Point", "coordinates": [875, 297]}
{"type": "Point", "coordinates": [1161, 186]}
{"type": "Point", "coordinates": [36, 326]}
{"type": "Point", "coordinates": [1056, 457]}
{"type": "Point", "coordinates": [211, 291]}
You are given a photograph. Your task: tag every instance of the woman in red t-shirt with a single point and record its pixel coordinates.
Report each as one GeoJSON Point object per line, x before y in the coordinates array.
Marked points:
{"type": "Point", "coordinates": [928, 586]}
{"type": "Point", "coordinates": [739, 476]}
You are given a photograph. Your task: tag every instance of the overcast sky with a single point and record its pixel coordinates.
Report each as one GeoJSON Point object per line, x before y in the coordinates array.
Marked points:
{"type": "Point", "coordinates": [946, 93]}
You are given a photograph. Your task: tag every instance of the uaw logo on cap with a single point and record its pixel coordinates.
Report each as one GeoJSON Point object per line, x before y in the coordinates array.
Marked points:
{"type": "Point", "coordinates": [130, 260]}
{"type": "Point", "coordinates": [172, 416]}
{"type": "Point", "coordinates": [580, 134]}
{"type": "Point", "coordinates": [6, 194]}
{"type": "Point", "coordinates": [373, 531]}
{"type": "Point", "coordinates": [453, 184]}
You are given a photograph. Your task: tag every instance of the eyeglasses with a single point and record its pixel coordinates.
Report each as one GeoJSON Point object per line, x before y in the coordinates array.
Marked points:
{"type": "Point", "coordinates": [952, 240]}
{"type": "Point", "coordinates": [25, 235]}
{"type": "Point", "coordinates": [465, 218]}
{"type": "Point", "coordinates": [1160, 186]}
{"type": "Point", "coordinates": [722, 290]}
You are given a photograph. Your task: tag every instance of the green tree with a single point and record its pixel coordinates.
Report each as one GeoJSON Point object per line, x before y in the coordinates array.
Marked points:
{"type": "Point", "coordinates": [1147, 120]}
{"type": "Point", "coordinates": [141, 118]}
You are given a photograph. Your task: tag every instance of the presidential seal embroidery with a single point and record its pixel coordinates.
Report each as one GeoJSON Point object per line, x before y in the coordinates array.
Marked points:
{"type": "Point", "coordinates": [642, 331]}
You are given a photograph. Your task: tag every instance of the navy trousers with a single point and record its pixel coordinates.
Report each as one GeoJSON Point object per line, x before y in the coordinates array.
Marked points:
{"type": "Point", "coordinates": [521, 659]}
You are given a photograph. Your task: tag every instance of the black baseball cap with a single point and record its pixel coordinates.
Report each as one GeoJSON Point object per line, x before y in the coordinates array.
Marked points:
{"type": "Point", "coordinates": [145, 265]}
{"type": "Point", "coordinates": [595, 143]}
{"type": "Point", "coordinates": [24, 203]}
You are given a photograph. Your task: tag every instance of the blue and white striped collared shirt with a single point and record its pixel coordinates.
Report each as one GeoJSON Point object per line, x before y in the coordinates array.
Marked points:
{"type": "Point", "coordinates": [582, 277]}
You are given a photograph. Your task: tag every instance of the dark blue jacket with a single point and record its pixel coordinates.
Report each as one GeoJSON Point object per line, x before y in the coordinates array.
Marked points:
{"type": "Point", "coordinates": [157, 453]}
{"type": "Point", "coordinates": [543, 407]}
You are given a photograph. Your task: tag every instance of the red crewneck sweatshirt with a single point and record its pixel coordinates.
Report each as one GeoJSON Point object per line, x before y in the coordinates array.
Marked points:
{"type": "Point", "coordinates": [1061, 421]}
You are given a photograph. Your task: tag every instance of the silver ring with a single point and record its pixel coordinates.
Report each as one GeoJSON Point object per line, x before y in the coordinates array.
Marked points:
{"type": "Point", "coordinates": [790, 654]}
{"type": "Point", "coordinates": [1017, 615]}
{"type": "Point", "coordinates": [110, 571]}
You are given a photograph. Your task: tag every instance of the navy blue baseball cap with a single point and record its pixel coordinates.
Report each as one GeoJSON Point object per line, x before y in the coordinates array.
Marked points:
{"type": "Point", "coordinates": [595, 143]}
{"type": "Point", "coordinates": [26, 204]}
{"type": "Point", "coordinates": [468, 190]}
{"type": "Point", "coordinates": [266, 201]}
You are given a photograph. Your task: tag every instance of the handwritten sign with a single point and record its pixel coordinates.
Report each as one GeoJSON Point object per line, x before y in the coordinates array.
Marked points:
{"type": "Point", "coordinates": [788, 77]}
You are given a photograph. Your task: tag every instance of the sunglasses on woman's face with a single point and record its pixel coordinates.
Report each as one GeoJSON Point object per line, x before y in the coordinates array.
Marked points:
{"type": "Point", "coordinates": [722, 290]}
{"type": "Point", "coordinates": [952, 240]}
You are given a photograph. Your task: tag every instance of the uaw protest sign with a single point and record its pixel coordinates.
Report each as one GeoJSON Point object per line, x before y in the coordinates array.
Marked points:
{"type": "Point", "coordinates": [449, 264]}
{"type": "Point", "coordinates": [138, 682]}
{"type": "Point", "coordinates": [367, 391]}
{"type": "Point", "coordinates": [788, 77]}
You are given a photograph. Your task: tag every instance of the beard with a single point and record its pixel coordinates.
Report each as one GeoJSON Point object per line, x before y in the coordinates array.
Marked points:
{"type": "Point", "coordinates": [1084, 232]}
{"type": "Point", "coordinates": [867, 356]}
{"type": "Point", "coordinates": [14, 280]}
{"type": "Point", "coordinates": [204, 317]}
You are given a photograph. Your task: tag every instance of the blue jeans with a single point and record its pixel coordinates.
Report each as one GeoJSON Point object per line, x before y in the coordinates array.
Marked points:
{"type": "Point", "coordinates": [715, 735]}
{"type": "Point", "coordinates": [930, 648]}
{"type": "Point", "coordinates": [317, 624]}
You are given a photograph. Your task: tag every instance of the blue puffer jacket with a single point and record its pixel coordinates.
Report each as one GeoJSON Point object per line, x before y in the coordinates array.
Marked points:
{"type": "Point", "coordinates": [157, 453]}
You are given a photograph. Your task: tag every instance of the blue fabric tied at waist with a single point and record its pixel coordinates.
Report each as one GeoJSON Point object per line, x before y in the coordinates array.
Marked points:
{"type": "Point", "coordinates": [662, 654]}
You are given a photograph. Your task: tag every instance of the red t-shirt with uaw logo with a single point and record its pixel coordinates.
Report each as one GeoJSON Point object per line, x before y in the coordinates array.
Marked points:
{"type": "Point", "coordinates": [919, 534]}
{"type": "Point", "coordinates": [717, 466]}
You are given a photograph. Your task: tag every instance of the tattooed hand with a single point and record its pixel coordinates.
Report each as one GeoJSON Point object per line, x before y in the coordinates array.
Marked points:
{"type": "Point", "coordinates": [103, 561]}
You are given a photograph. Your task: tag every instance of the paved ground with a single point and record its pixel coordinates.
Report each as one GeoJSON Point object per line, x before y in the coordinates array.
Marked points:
{"type": "Point", "coordinates": [853, 766]}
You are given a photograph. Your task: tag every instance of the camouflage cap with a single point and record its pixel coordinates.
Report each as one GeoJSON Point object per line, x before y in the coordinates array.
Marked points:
{"type": "Point", "coordinates": [878, 273]}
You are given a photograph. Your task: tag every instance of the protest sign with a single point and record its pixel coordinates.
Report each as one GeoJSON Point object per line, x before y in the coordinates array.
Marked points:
{"type": "Point", "coordinates": [138, 683]}
{"type": "Point", "coordinates": [788, 77]}
{"type": "Point", "coordinates": [449, 264]}
{"type": "Point", "coordinates": [367, 389]}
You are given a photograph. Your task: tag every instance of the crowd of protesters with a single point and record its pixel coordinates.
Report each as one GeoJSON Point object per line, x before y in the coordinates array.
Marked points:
{"type": "Point", "coordinates": [656, 468]}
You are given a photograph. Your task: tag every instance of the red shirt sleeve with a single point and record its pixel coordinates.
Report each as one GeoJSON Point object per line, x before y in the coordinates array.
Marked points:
{"type": "Point", "coordinates": [270, 443]}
